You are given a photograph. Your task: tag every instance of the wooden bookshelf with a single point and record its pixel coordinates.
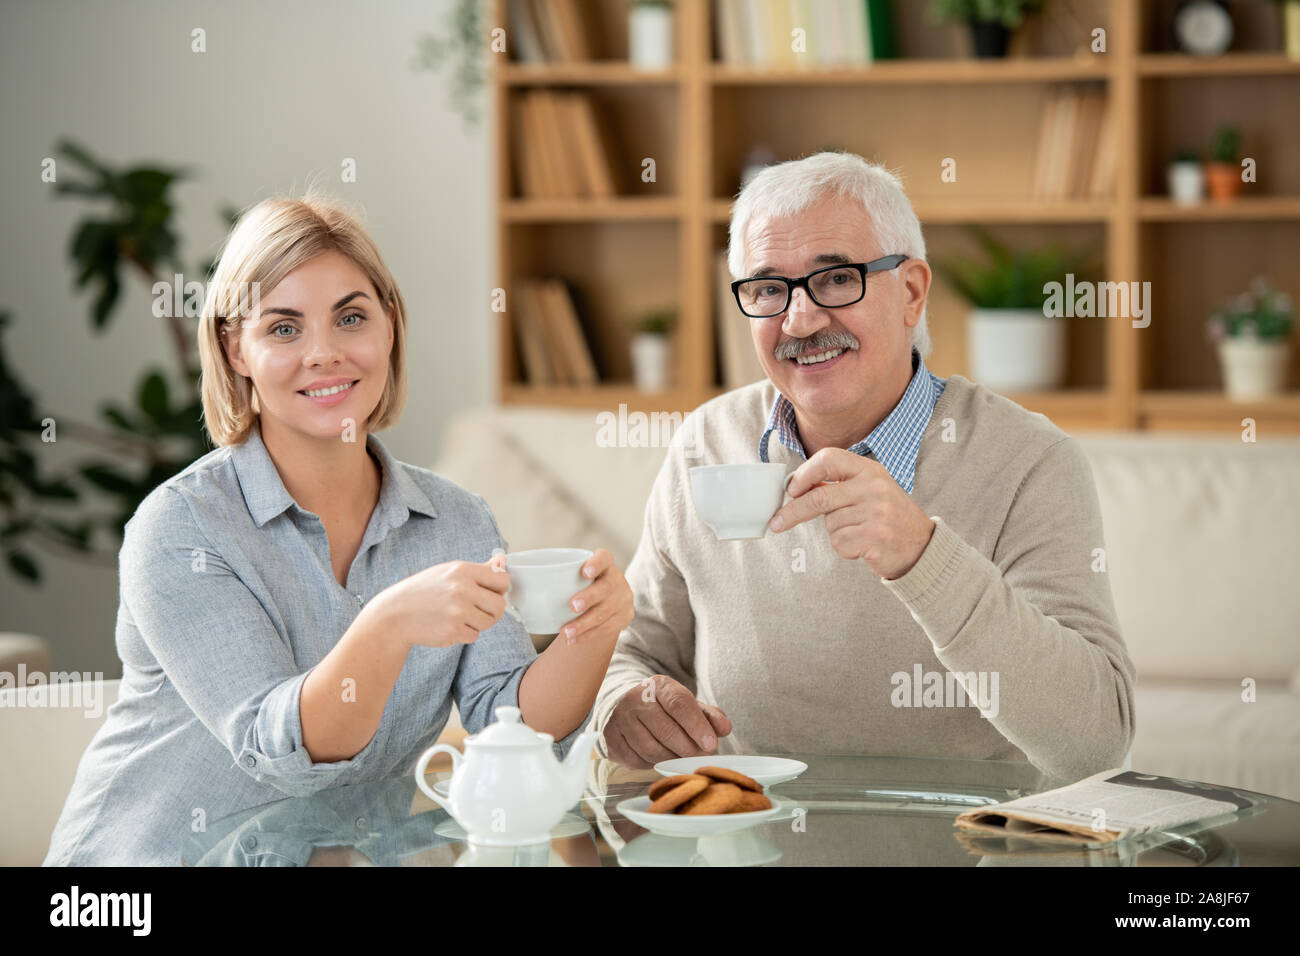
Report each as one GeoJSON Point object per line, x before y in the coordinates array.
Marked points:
{"type": "Point", "coordinates": [654, 243]}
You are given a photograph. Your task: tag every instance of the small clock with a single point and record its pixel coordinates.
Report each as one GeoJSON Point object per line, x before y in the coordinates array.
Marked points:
{"type": "Point", "coordinates": [1203, 27]}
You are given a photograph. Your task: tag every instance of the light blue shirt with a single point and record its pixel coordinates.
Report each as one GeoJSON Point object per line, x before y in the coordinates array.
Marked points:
{"type": "Point", "coordinates": [895, 442]}
{"type": "Point", "coordinates": [228, 598]}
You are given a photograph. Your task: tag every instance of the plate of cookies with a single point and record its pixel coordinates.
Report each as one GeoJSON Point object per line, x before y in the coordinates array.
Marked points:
{"type": "Point", "coordinates": [767, 771]}
{"type": "Point", "coordinates": [708, 801]}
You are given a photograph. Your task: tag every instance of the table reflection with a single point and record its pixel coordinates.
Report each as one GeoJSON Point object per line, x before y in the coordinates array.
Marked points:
{"type": "Point", "coordinates": [844, 810]}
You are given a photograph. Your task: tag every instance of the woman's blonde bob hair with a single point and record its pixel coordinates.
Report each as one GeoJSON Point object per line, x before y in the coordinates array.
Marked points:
{"type": "Point", "coordinates": [270, 240]}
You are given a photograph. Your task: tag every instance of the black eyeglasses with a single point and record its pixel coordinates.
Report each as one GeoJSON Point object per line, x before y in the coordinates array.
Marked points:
{"type": "Point", "coordinates": [831, 288]}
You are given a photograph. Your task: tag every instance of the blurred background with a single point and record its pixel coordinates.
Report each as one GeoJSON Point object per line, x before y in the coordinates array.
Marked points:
{"type": "Point", "coordinates": [550, 182]}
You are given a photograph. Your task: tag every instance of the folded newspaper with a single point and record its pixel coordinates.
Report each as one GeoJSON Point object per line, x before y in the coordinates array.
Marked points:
{"type": "Point", "coordinates": [1106, 807]}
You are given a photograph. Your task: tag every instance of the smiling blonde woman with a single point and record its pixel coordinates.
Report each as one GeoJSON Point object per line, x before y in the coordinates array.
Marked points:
{"type": "Point", "coordinates": [299, 609]}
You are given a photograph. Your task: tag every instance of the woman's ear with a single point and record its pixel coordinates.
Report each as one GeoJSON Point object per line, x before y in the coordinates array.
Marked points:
{"type": "Point", "coordinates": [234, 354]}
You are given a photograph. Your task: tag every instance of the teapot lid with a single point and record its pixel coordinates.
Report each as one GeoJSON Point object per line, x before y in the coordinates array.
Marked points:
{"type": "Point", "coordinates": [508, 731]}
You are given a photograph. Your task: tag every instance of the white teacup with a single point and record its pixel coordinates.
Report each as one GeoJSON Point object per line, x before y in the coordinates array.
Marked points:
{"type": "Point", "coordinates": [542, 583]}
{"type": "Point", "coordinates": [737, 501]}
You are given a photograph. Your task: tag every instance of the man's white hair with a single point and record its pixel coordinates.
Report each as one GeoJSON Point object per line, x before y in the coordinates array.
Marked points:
{"type": "Point", "coordinates": [786, 189]}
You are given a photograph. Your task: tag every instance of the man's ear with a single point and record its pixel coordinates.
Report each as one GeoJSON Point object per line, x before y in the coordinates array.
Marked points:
{"type": "Point", "coordinates": [916, 276]}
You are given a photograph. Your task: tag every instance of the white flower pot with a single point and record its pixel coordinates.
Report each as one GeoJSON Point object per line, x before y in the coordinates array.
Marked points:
{"type": "Point", "coordinates": [1016, 350]}
{"type": "Point", "coordinates": [650, 36]}
{"type": "Point", "coordinates": [1186, 183]}
{"type": "Point", "coordinates": [1254, 368]}
{"type": "Point", "coordinates": [650, 361]}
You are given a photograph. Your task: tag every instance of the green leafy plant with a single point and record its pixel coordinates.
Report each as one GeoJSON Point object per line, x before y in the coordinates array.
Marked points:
{"type": "Point", "coordinates": [1013, 278]}
{"type": "Point", "coordinates": [659, 322]}
{"type": "Point", "coordinates": [463, 48]}
{"type": "Point", "coordinates": [1009, 13]}
{"type": "Point", "coordinates": [1225, 145]}
{"type": "Point", "coordinates": [1185, 154]}
{"type": "Point", "coordinates": [1262, 313]}
{"type": "Point", "coordinates": [139, 447]}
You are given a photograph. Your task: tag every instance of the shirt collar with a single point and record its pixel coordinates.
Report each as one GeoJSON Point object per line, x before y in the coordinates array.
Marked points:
{"type": "Point", "coordinates": [266, 495]}
{"type": "Point", "coordinates": [895, 442]}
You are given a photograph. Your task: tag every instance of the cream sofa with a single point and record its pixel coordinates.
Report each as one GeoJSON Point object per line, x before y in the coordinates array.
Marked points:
{"type": "Point", "coordinates": [1201, 550]}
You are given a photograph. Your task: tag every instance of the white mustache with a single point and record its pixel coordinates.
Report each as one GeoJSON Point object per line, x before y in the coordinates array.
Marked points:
{"type": "Point", "coordinates": [815, 343]}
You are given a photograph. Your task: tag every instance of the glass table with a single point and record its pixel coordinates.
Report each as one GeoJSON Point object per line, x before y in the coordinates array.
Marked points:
{"type": "Point", "coordinates": [842, 811]}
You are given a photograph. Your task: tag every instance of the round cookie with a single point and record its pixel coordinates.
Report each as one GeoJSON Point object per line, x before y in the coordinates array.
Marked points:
{"type": "Point", "coordinates": [718, 798]}
{"type": "Point", "coordinates": [723, 775]}
{"type": "Point", "coordinates": [751, 801]}
{"type": "Point", "coordinates": [678, 795]}
{"type": "Point", "coordinates": [664, 784]}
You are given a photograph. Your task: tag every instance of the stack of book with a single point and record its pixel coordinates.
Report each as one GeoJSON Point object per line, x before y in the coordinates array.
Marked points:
{"type": "Point", "coordinates": [552, 344]}
{"type": "Point", "coordinates": [834, 32]}
{"type": "Point", "coordinates": [547, 31]}
{"type": "Point", "coordinates": [1076, 146]}
{"type": "Point", "coordinates": [562, 151]}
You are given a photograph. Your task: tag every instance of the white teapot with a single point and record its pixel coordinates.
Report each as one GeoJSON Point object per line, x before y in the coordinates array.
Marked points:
{"type": "Point", "coordinates": [509, 789]}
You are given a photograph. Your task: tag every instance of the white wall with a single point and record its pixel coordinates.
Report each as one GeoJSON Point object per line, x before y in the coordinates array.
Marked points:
{"type": "Point", "coordinates": [285, 91]}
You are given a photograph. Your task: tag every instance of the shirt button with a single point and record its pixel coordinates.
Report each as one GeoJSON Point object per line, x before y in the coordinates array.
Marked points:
{"type": "Point", "coordinates": [359, 598]}
{"type": "Point", "coordinates": [250, 842]}
{"type": "Point", "coordinates": [250, 761]}
{"type": "Point", "coordinates": [362, 823]}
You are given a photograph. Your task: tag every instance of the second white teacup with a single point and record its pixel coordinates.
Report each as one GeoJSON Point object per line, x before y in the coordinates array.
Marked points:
{"type": "Point", "coordinates": [737, 501]}
{"type": "Point", "coordinates": [542, 583]}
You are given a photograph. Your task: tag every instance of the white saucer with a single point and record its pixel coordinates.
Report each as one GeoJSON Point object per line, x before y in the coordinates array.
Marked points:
{"type": "Point", "coordinates": [766, 771]}
{"type": "Point", "coordinates": [636, 809]}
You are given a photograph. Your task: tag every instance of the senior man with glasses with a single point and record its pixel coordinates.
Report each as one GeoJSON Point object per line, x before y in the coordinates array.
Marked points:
{"type": "Point", "coordinates": [930, 586]}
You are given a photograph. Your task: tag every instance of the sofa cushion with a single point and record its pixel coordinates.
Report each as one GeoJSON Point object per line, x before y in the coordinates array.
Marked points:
{"type": "Point", "coordinates": [1203, 730]}
{"type": "Point", "coordinates": [547, 480]}
{"type": "Point", "coordinates": [1201, 550]}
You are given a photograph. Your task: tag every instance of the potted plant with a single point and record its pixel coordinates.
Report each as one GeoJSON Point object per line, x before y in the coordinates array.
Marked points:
{"type": "Point", "coordinates": [1012, 342]}
{"type": "Point", "coordinates": [1223, 171]}
{"type": "Point", "coordinates": [650, 34]}
{"type": "Point", "coordinates": [463, 50]}
{"type": "Point", "coordinates": [1253, 335]}
{"type": "Point", "coordinates": [1186, 178]}
{"type": "Point", "coordinates": [650, 349]}
{"type": "Point", "coordinates": [991, 21]}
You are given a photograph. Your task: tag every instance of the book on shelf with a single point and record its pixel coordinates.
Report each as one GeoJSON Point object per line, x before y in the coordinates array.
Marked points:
{"type": "Point", "coordinates": [552, 343]}
{"type": "Point", "coordinates": [1075, 153]}
{"type": "Point", "coordinates": [525, 38]}
{"type": "Point", "coordinates": [561, 150]}
{"type": "Point", "coordinates": [547, 31]}
{"type": "Point", "coordinates": [528, 322]}
{"type": "Point", "coordinates": [1101, 180]}
{"type": "Point", "coordinates": [569, 335]}
{"type": "Point", "coordinates": [835, 32]}
{"type": "Point", "coordinates": [740, 364]}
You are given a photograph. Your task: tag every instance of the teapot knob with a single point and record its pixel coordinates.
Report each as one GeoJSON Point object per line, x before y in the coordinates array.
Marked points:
{"type": "Point", "coordinates": [507, 715]}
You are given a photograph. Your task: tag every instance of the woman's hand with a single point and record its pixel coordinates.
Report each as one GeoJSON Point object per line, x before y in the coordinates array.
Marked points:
{"type": "Point", "coordinates": [605, 607]}
{"type": "Point", "coordinates": [445, 604]}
